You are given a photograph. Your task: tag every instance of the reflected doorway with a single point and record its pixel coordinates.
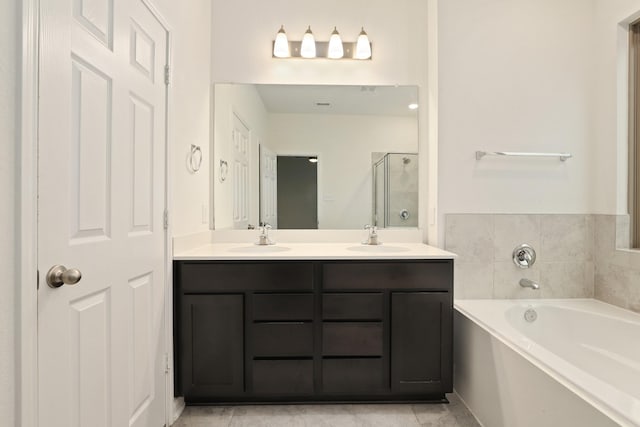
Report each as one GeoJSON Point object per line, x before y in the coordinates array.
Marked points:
{"type": "Point", "coordinates": [297, 184]}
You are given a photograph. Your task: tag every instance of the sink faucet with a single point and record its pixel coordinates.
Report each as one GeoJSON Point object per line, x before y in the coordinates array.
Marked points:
{"type": "Point", "coordinates": [263, 238]}
{"type": "Point", "coordinates": [372, 238]}
{"type": "Point", "coordinates": [526, 283]}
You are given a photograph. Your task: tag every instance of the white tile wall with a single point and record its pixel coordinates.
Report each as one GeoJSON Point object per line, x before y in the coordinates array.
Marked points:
{"type": "Point", "coordinates": [617, 271]}
{"type": "Point", "coordinates": [485, 242]}
{"type": "Point", "coordinates": [577, 257]}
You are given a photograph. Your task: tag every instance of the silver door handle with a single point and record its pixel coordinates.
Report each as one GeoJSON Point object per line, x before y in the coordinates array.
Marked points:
{"type": "Point", "coordinates": [59, 275]}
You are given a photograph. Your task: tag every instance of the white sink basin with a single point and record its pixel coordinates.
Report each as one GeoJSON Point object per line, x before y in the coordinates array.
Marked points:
{"type": "Point", "coordinates": [377, 249]}
{"type": "Point", "coordinates": [260, 249]}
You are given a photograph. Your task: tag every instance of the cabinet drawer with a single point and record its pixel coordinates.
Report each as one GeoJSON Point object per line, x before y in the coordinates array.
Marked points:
{"type": "Point", "coordinates": [437, 275]}
{"type": "Point", "coordinates": [352, 306]}
{"type": "Point", "coordinates": [283, 307]}
{"type": "Point", "coordinates": [352, 339]}
{"type": "Point", "coordinates": [352, 375]}
{"type": "Point", "coordinates": [285, 339]}
{"type": "Point", "coordinates": [283, 376]}
{"type": "Point", "coordinates": [272, 276]}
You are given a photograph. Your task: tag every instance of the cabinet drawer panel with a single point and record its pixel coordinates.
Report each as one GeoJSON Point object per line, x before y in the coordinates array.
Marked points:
{"type": "Point", "coordinates": [294, 339]}
{"type": "Point", "coordinates": [396, 275]}
{"type": "Point", "coordinates": [352, 339]}
{"type": "Point", "coordinates": [273, 276]}
{"type": "Point", "coordinates": [352, 375]}
{"type": "Point", "coordinates": [352, 306]}
{"type": "Point", "coordinates": [283, 307]}
{"type": "Point", "coordinates": [283, 377]}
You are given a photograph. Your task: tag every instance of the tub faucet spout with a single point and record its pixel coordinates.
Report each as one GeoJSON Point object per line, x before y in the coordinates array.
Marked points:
{"type": "Point", "coordinates": [526, 283]}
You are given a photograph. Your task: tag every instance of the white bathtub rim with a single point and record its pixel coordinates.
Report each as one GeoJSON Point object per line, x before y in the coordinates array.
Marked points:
{"type": "Point", "coordinates": [612, 402]}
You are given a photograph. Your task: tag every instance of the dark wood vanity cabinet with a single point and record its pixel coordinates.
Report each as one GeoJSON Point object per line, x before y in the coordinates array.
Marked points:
{"type": "Point", "coordinates": [253, 331]}
{"type": "Point", "coordinates": [421, 342]}
{"type": "Point", "coordinates": [212, 331]}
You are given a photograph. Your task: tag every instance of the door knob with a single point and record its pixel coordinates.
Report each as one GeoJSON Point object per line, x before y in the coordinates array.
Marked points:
{"type": "Point", "coordinates": [59, 275]}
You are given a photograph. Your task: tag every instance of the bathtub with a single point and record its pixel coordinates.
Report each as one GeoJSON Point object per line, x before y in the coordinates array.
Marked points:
{"type": "Point", "coordinates": [576, 364]}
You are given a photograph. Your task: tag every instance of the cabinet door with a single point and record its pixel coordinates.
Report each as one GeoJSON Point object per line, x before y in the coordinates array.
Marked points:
{"type": "Point", "coordinates": [421, 344]}
{"type": "Point", "coordinates": [212, 345]}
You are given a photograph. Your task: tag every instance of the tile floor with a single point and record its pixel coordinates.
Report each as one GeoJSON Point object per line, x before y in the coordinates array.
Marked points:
{"type": "Point", "coordinates": [455, 414]}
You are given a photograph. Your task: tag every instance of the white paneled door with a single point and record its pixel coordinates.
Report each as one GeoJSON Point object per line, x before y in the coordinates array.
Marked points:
{"type": "Point", "coordinates": [102, 148]}
{"type": "Point", "coordinates": [268, 187]}
{"type": "Point", "coordinates": [241, 142]}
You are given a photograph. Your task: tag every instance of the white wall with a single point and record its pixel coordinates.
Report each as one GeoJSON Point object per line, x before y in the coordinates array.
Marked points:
{"type": "Point", "coordinates": [191, 25]}
{"type": "Point", "coordinates": [243, 30]}
{"type": "Point", "coordinates": [189, 119]}
{"type": "Point", "coordinates": [534, 76]}
{"type": "Point", "coordinates": [610, 110]}
{"type": "Point", "coordinates": [515, 76]}
{"type": "Point", "coordinates": [9, 39]}
{"type": "Point", "coordinates": [245, 102]}
{"type": "Point", "coordinates": [344, 144]}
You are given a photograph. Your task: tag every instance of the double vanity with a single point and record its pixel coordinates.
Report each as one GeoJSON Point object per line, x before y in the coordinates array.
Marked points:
{"type": "Point", "coordinates": [313, 322]}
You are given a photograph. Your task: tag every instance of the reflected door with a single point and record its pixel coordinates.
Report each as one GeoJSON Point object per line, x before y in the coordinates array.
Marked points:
{"type": "Point", "coordinates": [101, 342]}
{"type": "Point", "coordinates": [268, 187]}
{"type": "Point", "coordinates": [297, 193]}
{"type": "Point", "coordinates": [240, 137]}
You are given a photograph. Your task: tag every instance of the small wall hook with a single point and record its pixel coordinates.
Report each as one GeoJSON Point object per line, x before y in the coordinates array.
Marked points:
{"type": "Point", "coordinates": [195, 158]}
{"type": "Point", "coordinates": [224, 169]}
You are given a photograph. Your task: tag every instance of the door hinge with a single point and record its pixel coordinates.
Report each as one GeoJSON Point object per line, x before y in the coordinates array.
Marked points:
{"type": "Point", "coordinates": [165, 219]}
{"type": "Point", "coordinates": [167, 75]}
{"type": "Point", "coordinates": [167, 367]}
{"type": "Point", "coordinates": [37, 280]}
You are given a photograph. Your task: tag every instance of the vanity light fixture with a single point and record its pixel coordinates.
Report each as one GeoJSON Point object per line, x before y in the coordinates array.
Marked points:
{"type": "Point", "coordinates": [363, 46]}
{"type": "Point", "coordinates": [309, 48]}
{"type": "Point", "coordinates": [336, 51]}
{"type": "Point", "coordinates": [281, 45]}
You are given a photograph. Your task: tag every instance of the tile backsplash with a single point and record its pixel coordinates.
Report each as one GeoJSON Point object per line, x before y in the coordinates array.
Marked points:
{"type": "Point", "coordinates": [617, 274]}
{"type": "Point", "coordinates": [484, 242]}
{"type": "Point", "coordinates": [576, 257]}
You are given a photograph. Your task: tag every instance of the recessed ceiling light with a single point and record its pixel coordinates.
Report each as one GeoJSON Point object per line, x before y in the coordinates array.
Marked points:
{"type": "Point", "coordinates": [413, 106]}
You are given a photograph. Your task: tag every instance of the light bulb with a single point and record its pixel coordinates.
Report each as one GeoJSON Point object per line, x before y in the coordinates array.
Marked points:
{"type": "Point", "coordinates": [336, 50]}
{"type": "Point", "coordinates": [281, 45]}
{"type": "Point", "coordinates": [308, 48]}
{"type": "Point", "coordinates": [363, 46]}
{"type": "Point", "coordinates": [413, 106]}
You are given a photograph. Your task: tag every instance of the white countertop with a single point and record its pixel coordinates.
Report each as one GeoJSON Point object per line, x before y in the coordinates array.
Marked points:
{"type": "Point", "coordinates": [311, 251]}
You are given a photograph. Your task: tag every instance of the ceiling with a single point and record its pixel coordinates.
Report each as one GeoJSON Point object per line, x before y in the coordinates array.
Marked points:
{"type": "Point", "coordinates": [325, 99]}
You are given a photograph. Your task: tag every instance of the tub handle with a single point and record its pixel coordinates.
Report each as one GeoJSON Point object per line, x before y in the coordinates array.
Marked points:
{"type": "Point", "coordinates": [524, 256]}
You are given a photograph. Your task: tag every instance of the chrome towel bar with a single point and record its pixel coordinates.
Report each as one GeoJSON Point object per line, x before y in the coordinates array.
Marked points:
{"type": "Point", "coordinates": [562, 156]}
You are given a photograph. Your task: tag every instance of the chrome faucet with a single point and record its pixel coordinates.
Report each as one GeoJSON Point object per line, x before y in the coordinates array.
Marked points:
{"type": "Point", "coordinates": [526, 283]}
{"type": "Point", "coordinates": [263, 238]}
{"type": "Point", "coordinates": [372, 238]}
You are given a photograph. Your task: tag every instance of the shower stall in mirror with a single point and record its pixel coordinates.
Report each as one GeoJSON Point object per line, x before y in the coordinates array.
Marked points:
{"type": "Point", "coordinates": [395, 190]}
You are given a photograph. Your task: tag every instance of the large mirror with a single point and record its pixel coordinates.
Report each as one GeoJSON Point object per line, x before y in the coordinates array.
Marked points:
{"type": "Point", "coordinates": [307, 157]}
